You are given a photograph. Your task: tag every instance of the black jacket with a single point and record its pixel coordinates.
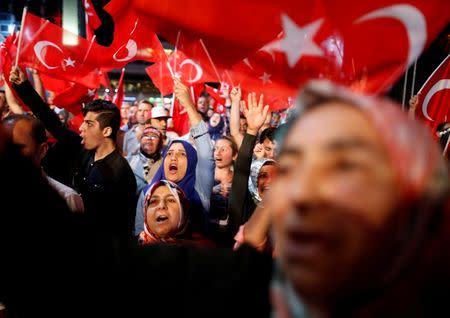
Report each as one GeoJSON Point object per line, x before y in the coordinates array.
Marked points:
{"type": "Point", "coordinates": [107, 186]}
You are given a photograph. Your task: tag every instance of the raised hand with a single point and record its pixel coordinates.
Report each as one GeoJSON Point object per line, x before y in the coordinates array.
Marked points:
{"type": "Point", "coordinates": [17, 76]}
{"type": "Point", "coordinates": [182, 93]}
{"type": "Point", "coordinates": [259, 151]}
{"type": "Point", "coordinates": [255, 113]}
{"type": "Point", "coordinates": [236, 94]}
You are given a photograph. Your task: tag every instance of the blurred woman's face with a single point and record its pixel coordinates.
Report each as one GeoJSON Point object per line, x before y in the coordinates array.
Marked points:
{"type": "Point", "coordinates": [175, 162]}
{"type": "Point", "coordinates": [333, 202]}
{"type": "Point", "coordinates": [163, 213]}
{"type": "Point", "coordinates": [214, 120]}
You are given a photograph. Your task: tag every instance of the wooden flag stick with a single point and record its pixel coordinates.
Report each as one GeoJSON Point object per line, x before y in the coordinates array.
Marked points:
{"type": "Point", "coordinates": [22, 23]}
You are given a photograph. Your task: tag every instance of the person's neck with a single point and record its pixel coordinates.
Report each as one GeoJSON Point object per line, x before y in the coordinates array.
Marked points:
{"type": "Point", "coordinates": [104, 149]}
{"type": "Point", "coordinates": [223, 174]}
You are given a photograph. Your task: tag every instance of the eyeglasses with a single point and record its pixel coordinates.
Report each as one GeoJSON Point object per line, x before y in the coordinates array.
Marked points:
{"type": "Point", "coordinates": [153, 137]}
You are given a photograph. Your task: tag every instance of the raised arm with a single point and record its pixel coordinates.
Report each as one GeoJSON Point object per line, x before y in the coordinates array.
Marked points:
{"type": "Point", "coordinates": [40, 109]}
{"type": "Point", "coordinates": [12, 102]}
{"type": "Point", "coordinates": [199, 131]}
{"type": "Point", "coordinates": [256, 115]}
{"type": "Point", "coordinates": [235, 96]}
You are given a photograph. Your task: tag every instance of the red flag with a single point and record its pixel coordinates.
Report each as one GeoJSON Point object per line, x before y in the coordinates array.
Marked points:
{"type": "Point", "coordinates": [190, 70]}
{"type": "Point", "coordinates": [43, 49]}
{"type": "Point", "coordinates": [92, 18]}
{"type": "Point", "coordinates": [434, 97]}
{"type": "Point", "coordinates": [370, 43]}
{"type": "Point", "coordinates": [219, 105]}
{"type": "Point", "coordinates": [133, 40]}
{"type": "Point", "coordinates": [118, 97]}
{"type": "Point", "coordinates": [180, 118]}
{"type": "Point", "coordinates": [74, 97]}
{"type": "Point", "coordinates": [54, 85]}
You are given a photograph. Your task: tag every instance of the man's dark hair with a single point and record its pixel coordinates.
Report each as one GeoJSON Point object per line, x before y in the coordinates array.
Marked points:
{"type": "Point", "coordinates": [267, 133]}
{"type": "Point", "coordinates": [108, 115]}
{"type": "Point", "coordinates": [37, 127]}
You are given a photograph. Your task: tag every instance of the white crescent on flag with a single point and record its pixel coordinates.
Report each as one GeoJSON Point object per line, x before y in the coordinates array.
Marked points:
{"type": "Point", "coordinates": [412, 19]}
{"type": "Point", "coordinates": [198, 70]}
{"type": "Point", "coordinates": [439, 86]}
{"type": "Point", "coordinates": [39, 46]}
{"type": "Point", "coordinates": [131, 46]}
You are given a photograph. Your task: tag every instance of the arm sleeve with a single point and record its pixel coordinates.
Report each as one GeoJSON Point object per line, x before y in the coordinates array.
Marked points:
{"type": "Point", "coordinates": [204, 181]}
{"type": "Point", "coordinates": [48, 117]}
{"type": "Point", "coordinates": [239, 186]}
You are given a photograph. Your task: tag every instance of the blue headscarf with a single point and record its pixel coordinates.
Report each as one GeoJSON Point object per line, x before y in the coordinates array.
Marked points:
{"type": "Point", "coordinates": [187, 184]}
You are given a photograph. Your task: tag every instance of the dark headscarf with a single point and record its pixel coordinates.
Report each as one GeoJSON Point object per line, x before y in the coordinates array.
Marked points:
{"type": "Point", "coordinates": [187, 184]}
{"type": "Point", "coordinates": [216, 132]}
{"type": "Point", "coordinates": [423, 180]}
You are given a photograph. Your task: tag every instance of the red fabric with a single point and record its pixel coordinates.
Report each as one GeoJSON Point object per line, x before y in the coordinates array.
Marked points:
{"type": "Point", "coordinates": [133, 40]}
{"type": "Point", "coordinates": [73, 98]}
{"type": "Point", "coordinates": [434, 97]}
{"type": "Point", "coordinates": [118, 97]}
{"type": "Point", "coordinates": [180, 118]}
{"type": "Point", "coordinates": [219, 104]}
{"type": "Point", "coordinates": [92, 18]}
{"type": "Point", "coordinates": [8, 51]}
{"type": "Point", "coordinates": [43, 49]}
{"type": "Point", "coordinates": [191, 70]}
{"type": "Point", "coordinates": [366, 45]}
{"type": "Point", "coordinates": [75, 122]}
{"type": "Point", "coordinates": [54, 85]}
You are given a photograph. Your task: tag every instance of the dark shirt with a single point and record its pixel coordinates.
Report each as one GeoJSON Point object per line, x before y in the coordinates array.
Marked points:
{"type": "Point", "coordinates": [107, 186]}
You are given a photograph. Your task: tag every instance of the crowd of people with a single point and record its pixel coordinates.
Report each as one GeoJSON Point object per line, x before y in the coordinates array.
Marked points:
{"type": "Point", "coordinates": [336, 207]}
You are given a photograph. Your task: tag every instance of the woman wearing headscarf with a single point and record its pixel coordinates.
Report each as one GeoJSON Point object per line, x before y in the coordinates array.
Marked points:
{"type": "Point", "coordinates": [216, 126]}
{"type": "Point", "coordinates": [166, 216]}
{"type": "Point", "coordinates": [191, 168]}
{"type": "Point", "coordinates": [182, 166]}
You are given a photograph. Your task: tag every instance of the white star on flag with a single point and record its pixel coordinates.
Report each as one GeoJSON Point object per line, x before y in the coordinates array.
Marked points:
{"type": "Point", "coordinates": [265, 78]}
{"type": "Point", "coordinates": [69, 62]}
{"type": "Point", "coordinates": [91, 92]}
{"type": "Point", "coordinates": [297, 41]}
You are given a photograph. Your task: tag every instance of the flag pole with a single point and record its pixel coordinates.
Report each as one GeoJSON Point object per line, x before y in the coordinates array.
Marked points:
{"type": "Point", "coordinates": [413, 84]}
{"type": "Point", "coordinates": [211, 61]}
{"type": "Point", "coordinates": [444, 153]}
{"type": "Point", "coordinates": [405, 82]}
{"type": "Point", "coordinates": [89, 48]}
{"type": "Point", "coordinates": [22, 23]}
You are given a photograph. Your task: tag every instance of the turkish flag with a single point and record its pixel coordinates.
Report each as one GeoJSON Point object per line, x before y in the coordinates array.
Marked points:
{"type": "Point", "coordinates": [118, 97]}
{"type": "Point", "coordinates": [133, 40]}
{"type": "Point", "coordinates": [366, 45]}
{"type": "Point", "coordinates": [434, 97]}
{"type": "Point", "coordinates": [180, 118]}
{"type": "Point", "coordinates": [43, 49]}
{"type": "Point", "coordinates": [54, 85]}
{"type": "Point", "coordinates": [190, 70]}
{"type": "Point", "coordinates": [92, 19]}
{"type": "Point", "coordinates": [219, 100]}
{"type": "Point", "coordinates": [74, 97]}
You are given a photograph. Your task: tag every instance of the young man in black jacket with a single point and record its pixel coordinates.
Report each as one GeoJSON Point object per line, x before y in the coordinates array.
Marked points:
{"type": "Point", "coordinates": [99, 172]}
